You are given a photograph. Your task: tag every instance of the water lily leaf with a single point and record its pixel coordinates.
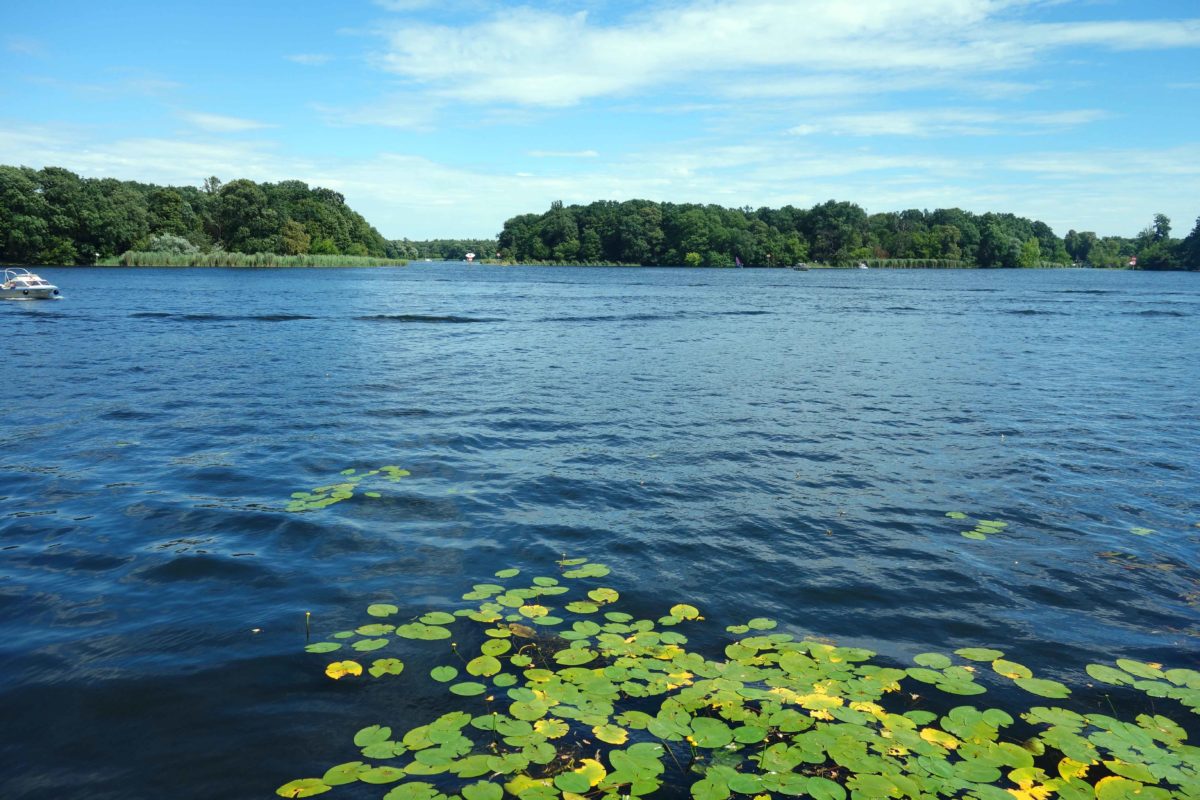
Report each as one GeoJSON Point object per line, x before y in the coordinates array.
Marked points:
{"type": "Point", "coordinates": [685, 611]}
{"type": "Point", "coordinates": [824, 789]}
{"type": "Point", "coordinates": [956, 515]}
{"type": "Point", "coordinates": [443, 674]}
{"type": "Point", "coordinates": [342, 774]}
{"type": "Point", "coordinates": [612, 734]}
{"type": "Point", "coordinates": [1043, 687]}
{"type": "Point", "coordinates": [376, 629]}
{"type": "Point", "coordinates": [382, 609]}
{"type": "Point", "coordinates": [496, 647]}
{"type": "Point", "coordinates": [381, 775]}
{"type": "Point", "coordinates": [1011, 669]}
{"type": "Point", "coordinates": [437, 618]}
{"type": "Point", "coordinates": [978, 654]}
{"type": "Point", "coordinates": [483, 665]}
{"type": "Point", "coordinates": [305, 787]}
{"type": "Point", "coordinates": [468, 689]}
{"type": "Point", "coordinates": [572, 782]}
{"type": "Point", "coordinates": [340, 669]}
{"type": "Point", "coordinates": [1141, 531]}
{"type": "Point", "coordinates": [1139, 669]}
{"type": "Point", "coordinates": [932, 660]}
{"type": "Point", "coordinates": [419, 630]}
{"type": "Point", "coordinates": [413, 790]}
{"type": "Point", "coordinates": [1106, 674]}
{"type": "Point", "coordinates": [533, 611]}
{"type": "Point", "coordinates": [386, 666]}
{"type": "Point", "coordinates": [710, 789]}
{"type": "Point", "coordinates": [975, 535]}
{"type": "Point", "coordinates": [603, 596]}
{"type": "Point", "coordinates": [545, 582]}
{"type": "Point", "coordinates": [710, 732]}
{"type": "Point", "coordinates": [322, 647]}
{"type": "Point", "coordinates": [367, 645]}
{"type": "Point", "coordinates": [761, 624]}
{"type": "Point", "coordinates": [372, 734]}
{"type": "Point", "coordinates": [573, 657]}
{"type": "Point", "coordinates": [582, 607]}
{"type": "Point", "coordinates": [924, 675]}
{"type": "Point", "coordinates": [482, 790]}
{"type": "Point", "coordinates": [551, 728]}
{"type": "Point", "coordinates": [587, 571]}
{"type": "Point", "coordinates": [508, 573]}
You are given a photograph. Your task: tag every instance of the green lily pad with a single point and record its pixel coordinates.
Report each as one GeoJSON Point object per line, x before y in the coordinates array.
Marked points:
{"type": "Point", "coordinates": [482, 790]}
{"type": "Point", "coordinates": [484, 665]}
{"type": "Point", "coordinates": [1043, 687]}
{"type": "Point", "coordinates": [468, 689]}
{"type": "Point", "coordinates": [979, 654]}
{"type": "Point", "coordinates": [305, 787]}
{"type": "Point", "coordinates": [386, 666]}
{"type": "Point", "coordinates": [322, 647]}
{"type": "Point", "coordinates": [382, 609]}
{"type": "Point", "coordinates": [932, 660]}
{"type": "Point", "coordinates": [418, 630]}
{"type": "Point", "coordinates": [507, 573]}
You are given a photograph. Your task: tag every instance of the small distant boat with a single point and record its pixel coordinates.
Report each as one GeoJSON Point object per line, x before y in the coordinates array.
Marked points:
{"type": "Point", "coordinates": [801, 267]}
{"type": "Point", "coordinates": [21, 284]}
{"type": "Point", "coordinates": [862, 265]}
{"type": "Point", "coordinates": [738, 262]}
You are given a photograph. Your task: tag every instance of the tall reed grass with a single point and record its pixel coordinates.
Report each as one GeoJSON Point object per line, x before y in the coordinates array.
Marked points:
{"type": "Point", "coordinates": [133, 258]}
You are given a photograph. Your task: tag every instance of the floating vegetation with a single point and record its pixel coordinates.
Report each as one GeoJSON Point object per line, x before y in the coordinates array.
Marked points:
{"type": "Point", "coordinates": [983, 528]}
{"type": "Point", "coordinates": [1142, 531]}
{"type": "Point", "coordinates": [573, 703]}
{"type": "Point", "coordinates": [325, 496]}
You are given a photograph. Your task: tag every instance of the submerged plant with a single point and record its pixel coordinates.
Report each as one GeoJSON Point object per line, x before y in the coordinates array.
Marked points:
{"type": "Point", "coordinates": [325, 496]}
{"type": "Point", "coordinates": [585, 701]}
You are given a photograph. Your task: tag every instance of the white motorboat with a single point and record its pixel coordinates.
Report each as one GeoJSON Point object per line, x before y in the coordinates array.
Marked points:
{"type": "Point", "coordinates": [21, 284]}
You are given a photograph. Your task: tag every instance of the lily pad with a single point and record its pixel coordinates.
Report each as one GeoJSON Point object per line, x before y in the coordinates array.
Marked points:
{"type": "Point", "coordinates": [305, 787]}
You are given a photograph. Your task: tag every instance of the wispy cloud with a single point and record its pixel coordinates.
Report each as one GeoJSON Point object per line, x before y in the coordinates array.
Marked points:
{"type": "Point", "coordinates": [932, 123]}
{"type": "Point", "coordinates": [25, 46]}
{"type": "Point", "coordinates": [218, 123]}
{"type": "Point", "coordinates": [537, 57]}
{"type": "Point", "coordinates": [406, 112]}
{"type": "Point", "coordinates": [564, 154]}
{"type": "Point", "coordinates": [310, 59]}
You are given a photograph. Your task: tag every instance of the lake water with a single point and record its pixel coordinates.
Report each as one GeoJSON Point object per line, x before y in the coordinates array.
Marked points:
{"type": "Point", "coordinates": [757, 443]}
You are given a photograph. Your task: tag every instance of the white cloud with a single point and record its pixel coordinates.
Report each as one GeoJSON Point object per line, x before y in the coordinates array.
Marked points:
{"type": "Point", "coordinates": [1111, 191]}
{"type": "Point", "coordinates": [310, 59]}
{"type": "Point", "coordinates": [929, 123]}
{"type": "Point", "coordinates": [564, 154]}
{"type": "Point", "coordinates": [782, 47]}
{"type": "Point", "coordinates": [407, 112]}
{"type": "Point", "coordinates": [218, 123]}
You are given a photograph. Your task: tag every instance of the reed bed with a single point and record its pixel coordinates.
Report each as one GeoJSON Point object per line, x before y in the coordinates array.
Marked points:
{"type": "Point", "coordinates": [133, 258]}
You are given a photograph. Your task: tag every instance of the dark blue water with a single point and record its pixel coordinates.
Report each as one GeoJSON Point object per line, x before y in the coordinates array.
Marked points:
{"type": "Point", "coordinates": [757, 443]}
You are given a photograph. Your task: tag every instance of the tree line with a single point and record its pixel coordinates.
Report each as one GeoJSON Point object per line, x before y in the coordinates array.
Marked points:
{"type": "Point", "coordinates": [834, 233]}
{"type": "Point", "coordinates": [53, 216]}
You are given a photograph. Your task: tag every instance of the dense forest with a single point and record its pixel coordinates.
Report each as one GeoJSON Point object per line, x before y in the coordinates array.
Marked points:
{"type": "Point", "coordinates": [53, 216]}
{"type": "Point", "coordinates": [833, 233]}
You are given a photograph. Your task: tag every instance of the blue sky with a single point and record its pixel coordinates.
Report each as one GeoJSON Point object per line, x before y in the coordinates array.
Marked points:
{"type": "Point", "coordinates": [443, 119]}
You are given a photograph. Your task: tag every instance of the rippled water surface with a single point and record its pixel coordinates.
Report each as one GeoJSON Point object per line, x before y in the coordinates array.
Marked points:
{"type": "Point", "coordinates": [754, 442]}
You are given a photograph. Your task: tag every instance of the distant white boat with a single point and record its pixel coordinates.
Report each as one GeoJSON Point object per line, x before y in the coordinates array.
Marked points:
{"type": "Point", "coordinates": [21, 284]}
{"type": "Point", "coordinates": [862, 265]}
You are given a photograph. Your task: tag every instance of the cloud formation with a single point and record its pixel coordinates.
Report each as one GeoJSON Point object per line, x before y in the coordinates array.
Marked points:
{"type": "Point", "coordinates": [536, 57]}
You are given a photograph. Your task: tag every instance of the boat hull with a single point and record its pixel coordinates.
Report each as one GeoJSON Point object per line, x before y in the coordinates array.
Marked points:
{"type": "Point", "coordinates": [40, 293]}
